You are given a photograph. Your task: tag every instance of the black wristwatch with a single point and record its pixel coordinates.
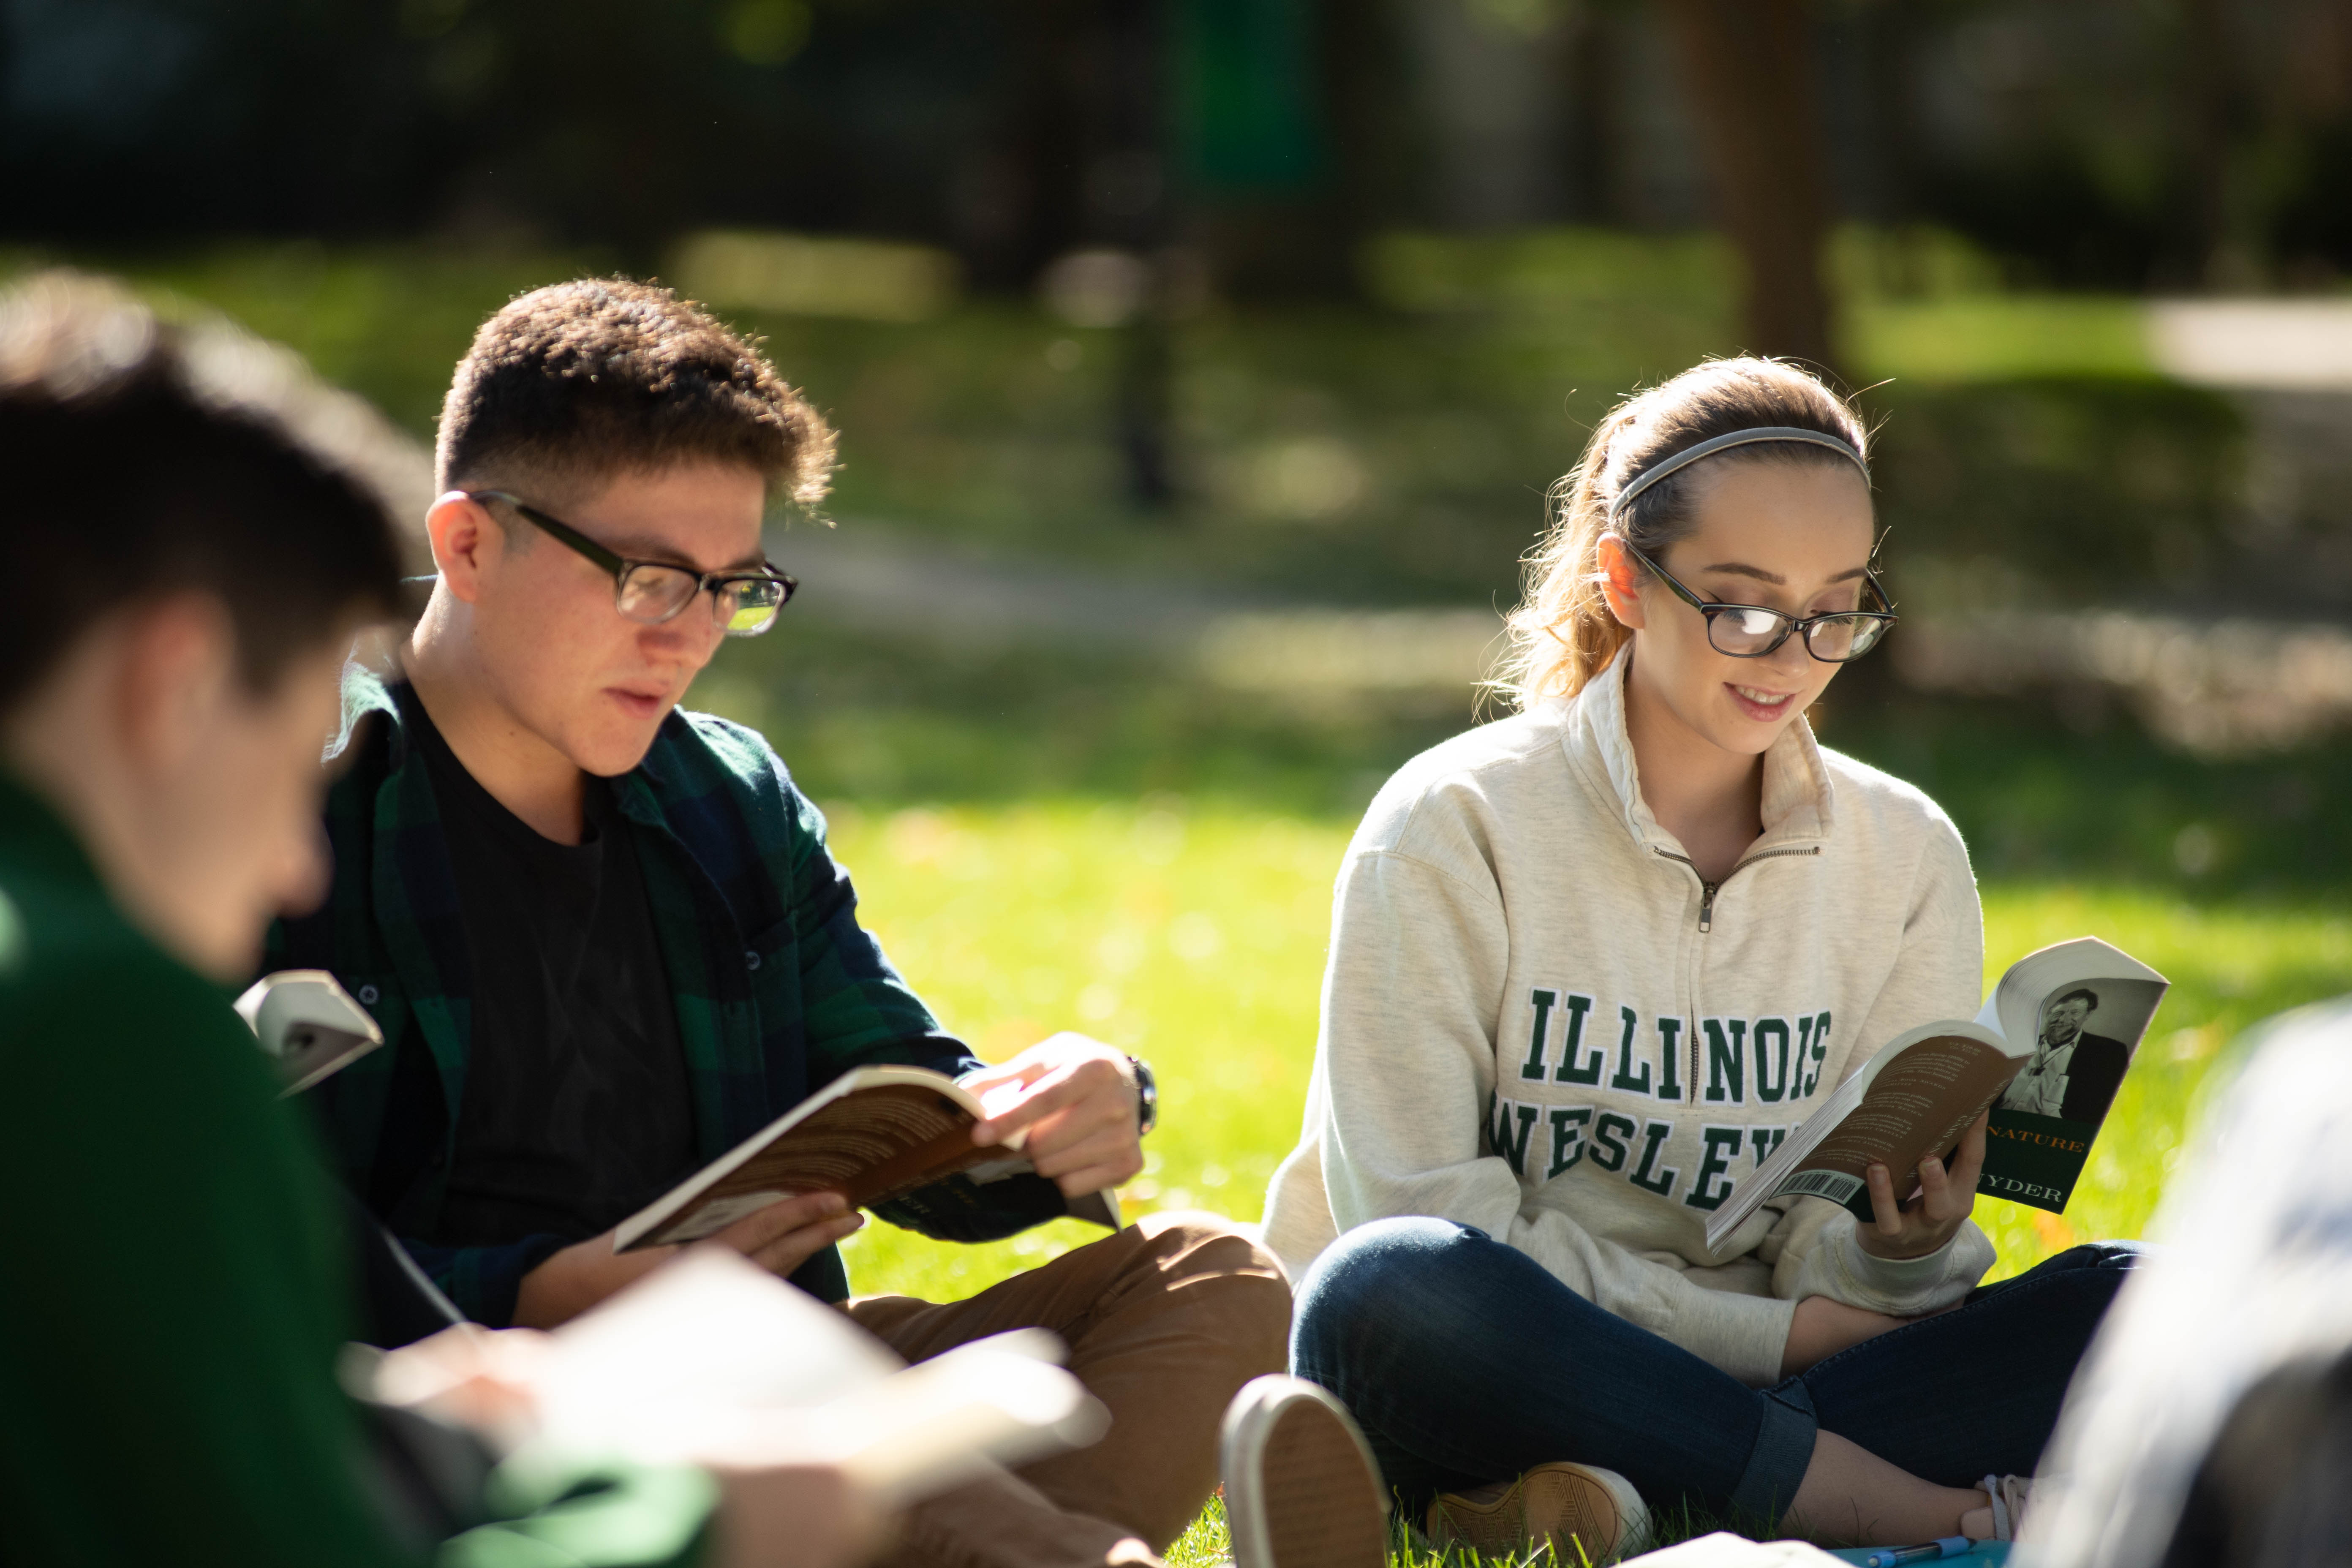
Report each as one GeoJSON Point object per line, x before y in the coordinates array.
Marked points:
{"type": "Point", "coordinates": [1147, 1096]}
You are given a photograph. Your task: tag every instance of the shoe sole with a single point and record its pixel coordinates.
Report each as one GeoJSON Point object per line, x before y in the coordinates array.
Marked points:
{"type": "Point", "coordinates": [1301, 1487]}
{"type": "Point", "coordinates": [1580, 1508]}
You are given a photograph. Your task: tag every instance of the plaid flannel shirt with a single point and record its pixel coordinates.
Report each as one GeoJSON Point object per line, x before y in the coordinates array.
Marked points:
{"type": "Point", "coordinates": [777, 989]}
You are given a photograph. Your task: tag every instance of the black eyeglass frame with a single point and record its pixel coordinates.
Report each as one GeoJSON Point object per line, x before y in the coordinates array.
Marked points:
{"type": "Point", "coordinates": [1709, 608]}
{"type": "Point", "coordinates": [622, 567]}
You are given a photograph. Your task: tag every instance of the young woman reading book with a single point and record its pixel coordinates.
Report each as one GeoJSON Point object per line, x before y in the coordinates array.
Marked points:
{"type": "Point", "coordinates": [1588, 965]}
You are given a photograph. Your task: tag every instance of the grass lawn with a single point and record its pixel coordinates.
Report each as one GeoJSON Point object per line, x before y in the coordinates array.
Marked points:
{"type": "Point", "coordinates": [1196, 938]}
{"type": "Point", "coordinates": [1396, 454]}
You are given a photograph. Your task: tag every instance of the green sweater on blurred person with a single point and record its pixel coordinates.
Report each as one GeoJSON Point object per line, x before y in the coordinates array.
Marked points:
{"type": "Point", "coordinates": [175, 1292]}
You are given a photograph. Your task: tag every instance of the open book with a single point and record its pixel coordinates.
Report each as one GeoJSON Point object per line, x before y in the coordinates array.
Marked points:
{"type": "Point", "coordinates": [710, 1349]}
{"type": "Point", "coordinates": [2047, 1054]}
{"type": "Point", "coordinates": [872, 1134]}
{"type": "Point", "coordinates": [308, 1024]}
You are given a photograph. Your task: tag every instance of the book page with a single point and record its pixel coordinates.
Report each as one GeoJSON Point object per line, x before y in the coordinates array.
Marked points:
{"type": "Point", "coordinates": [1919, 1080]}
{"type": "Point", "coordinates": [844, 1146]}
{"type": "Point", "coordinates": [308, 1024]}
{"type": "Point", "coordinates": [1918, 1105]}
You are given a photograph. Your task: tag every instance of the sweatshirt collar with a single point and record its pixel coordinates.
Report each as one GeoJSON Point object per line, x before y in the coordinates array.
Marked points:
{"type": "Point", "coordinates": [1799, 806]}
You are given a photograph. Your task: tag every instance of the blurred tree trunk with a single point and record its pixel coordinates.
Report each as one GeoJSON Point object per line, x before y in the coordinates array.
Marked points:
{"type": "Point", "coordinates": [2216, 258]}
{"type": "Point", "coordinates": [1747, 67]}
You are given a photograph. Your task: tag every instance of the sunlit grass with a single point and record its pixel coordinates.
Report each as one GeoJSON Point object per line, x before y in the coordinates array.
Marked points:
{"type": "Point", "coordinates": [1196, 938]}
{"type": "Point", "coordinates": [1984, 337]}
{"type": "Point", "coordinates": [1192, 939]}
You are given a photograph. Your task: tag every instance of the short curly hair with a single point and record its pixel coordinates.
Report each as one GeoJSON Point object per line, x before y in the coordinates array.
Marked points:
{"type": "Point", "coordinates": [578, 381]}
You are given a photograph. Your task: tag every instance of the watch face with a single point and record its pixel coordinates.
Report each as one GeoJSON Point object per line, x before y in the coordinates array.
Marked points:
{"type": "Point", "coordinates": [1147, 1095]}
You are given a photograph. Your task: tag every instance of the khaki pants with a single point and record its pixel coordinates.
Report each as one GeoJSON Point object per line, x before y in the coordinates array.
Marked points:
{"type": "Point", "coordinates": [1165, 1321]}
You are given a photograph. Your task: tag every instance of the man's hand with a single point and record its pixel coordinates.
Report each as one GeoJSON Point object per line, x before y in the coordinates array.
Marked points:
{"type": "Point", "coordinates": [1917, 1228]}
{"type": "Point", "coordinates": [1821, 1328]}
{"type": "Point", "coordinates": [778, 1238]}
{"type": "Point", "coordinates": [1076, 1099]}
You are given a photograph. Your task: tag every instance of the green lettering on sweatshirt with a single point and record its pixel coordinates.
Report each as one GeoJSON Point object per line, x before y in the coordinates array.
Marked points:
{"type": "Point", "coordinates": [1499, 1133]}
{"type": "Point", "coordinates": [1647, 1176]}
{"type": "Point", "coordinates": [1624, 1077]}
{"type": "Point", "coordinates": [1567, 1125]}
{"type": "Point", "coordinates": [1534, 1067]}
{"type": "Point", "coordinates": [1725, 1066]}
{"type": "Point", "coordinates": [1722, 1148]}
{"type": "Point", "coordinates": [1609, 1133]}
{"type": "Point", "coordinates": [1569, 1071]}
{"type": "Point", "coordinates": [1771, 1063]}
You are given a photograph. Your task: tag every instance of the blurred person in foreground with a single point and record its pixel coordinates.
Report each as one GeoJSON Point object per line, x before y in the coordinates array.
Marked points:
{"type": "Point", "coordinates": [606, 941]}
{"type": "Point", "coordinates": [2212, 1422]}
{"type": "Point", "coordinates": [190, 548]}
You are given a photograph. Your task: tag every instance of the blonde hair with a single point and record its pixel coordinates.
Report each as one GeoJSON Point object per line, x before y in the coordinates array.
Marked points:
{"type": "Point", "coordinates": [1563, 634]}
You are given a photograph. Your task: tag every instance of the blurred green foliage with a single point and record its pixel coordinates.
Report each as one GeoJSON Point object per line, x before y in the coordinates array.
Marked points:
{"type": "Point", "coordinates": [1401, 454]}
{"type": "Point", "coordinates": [1398, 452]}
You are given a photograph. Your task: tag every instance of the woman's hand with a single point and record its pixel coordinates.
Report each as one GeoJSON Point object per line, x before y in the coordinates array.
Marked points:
{"type": "Point", "coordinates": [1821, 1328]}
{"type": "Point", "coordinates": [1917, 1228]}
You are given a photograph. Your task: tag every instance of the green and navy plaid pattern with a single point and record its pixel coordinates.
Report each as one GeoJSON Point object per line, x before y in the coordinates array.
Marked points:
{"type": "Point", "coordinates": [777, 988]}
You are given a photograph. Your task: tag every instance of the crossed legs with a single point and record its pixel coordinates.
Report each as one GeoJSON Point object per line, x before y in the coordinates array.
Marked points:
{"type": "Point", "coordinates": [1465, 1361]}
{"type": "Point", "coordinates": [1165, 1321]}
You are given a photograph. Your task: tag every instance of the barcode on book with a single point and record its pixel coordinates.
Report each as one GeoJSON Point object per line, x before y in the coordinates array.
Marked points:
{"type": "Point", "coordinates": [1834, 1185]}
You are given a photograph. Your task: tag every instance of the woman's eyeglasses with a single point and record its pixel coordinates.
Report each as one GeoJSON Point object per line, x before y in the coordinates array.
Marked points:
{"type": "Point", "coordinates": [1751, 631]}
{"type": "Point", "coordinates": [744, 602]}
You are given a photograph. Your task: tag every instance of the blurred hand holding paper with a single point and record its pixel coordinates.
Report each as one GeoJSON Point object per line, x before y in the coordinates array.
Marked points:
{"type": "Point", "coordinates": [712, 1357]}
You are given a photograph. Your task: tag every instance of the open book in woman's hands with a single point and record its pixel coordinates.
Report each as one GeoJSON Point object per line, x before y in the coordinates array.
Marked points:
{"type": "Point", "coordinates": [2045, 1056]}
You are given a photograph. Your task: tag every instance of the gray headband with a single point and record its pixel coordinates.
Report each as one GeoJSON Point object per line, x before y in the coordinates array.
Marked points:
{"type": "Point", "coordinates": [1708, 448]}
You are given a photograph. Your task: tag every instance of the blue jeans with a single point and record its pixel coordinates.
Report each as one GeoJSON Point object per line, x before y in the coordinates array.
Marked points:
{"type": "Point", "coordinates": [1466, 1362]}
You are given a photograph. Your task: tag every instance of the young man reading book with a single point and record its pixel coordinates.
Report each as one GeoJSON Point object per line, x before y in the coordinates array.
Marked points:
{"type": "Point", "coordinates": [606, 943]}
{"type": "Point", "coordinates": [190, 546]}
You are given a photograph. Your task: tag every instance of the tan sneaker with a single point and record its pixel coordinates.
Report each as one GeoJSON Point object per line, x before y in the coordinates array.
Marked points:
{"type": "Point", "coordinates": [1566, 1506]}
{"type": "Point", "coordinates": [1301, 1489]}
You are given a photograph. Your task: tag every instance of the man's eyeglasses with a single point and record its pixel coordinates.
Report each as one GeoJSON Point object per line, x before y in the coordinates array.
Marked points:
{"type": "Point", "coordinates": [1751, 631]}
{"type": "Point", "coordinates": [744, 602]}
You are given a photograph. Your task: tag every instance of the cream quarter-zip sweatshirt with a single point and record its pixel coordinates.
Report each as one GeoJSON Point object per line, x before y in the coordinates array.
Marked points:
{"type": "Point", "coordinates": [1539, 1021]}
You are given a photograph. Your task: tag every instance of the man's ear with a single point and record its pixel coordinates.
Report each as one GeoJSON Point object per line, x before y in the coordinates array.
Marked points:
{"type": "Point", "coordinates": [178, 664]}
{"type": "Point", "coordinates": [464, 536]}
{"type": "Point", "coordinates": [1620, 582]}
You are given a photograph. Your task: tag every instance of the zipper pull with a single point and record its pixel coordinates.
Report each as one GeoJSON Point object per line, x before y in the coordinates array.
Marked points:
{"type": "Point", "coordinates": [1707, 907]}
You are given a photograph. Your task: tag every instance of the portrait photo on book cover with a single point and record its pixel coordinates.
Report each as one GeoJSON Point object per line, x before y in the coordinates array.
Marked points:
{"type": "Point", "coordinates": [2087, 1036]}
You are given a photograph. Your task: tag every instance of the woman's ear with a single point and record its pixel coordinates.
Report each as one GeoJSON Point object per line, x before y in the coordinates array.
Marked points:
{"type": "Point", "coordinates": [1620, 582]}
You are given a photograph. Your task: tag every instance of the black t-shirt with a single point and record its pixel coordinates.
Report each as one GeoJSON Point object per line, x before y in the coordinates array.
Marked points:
{"type": "Point", "coordinates": [576, 1109]}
